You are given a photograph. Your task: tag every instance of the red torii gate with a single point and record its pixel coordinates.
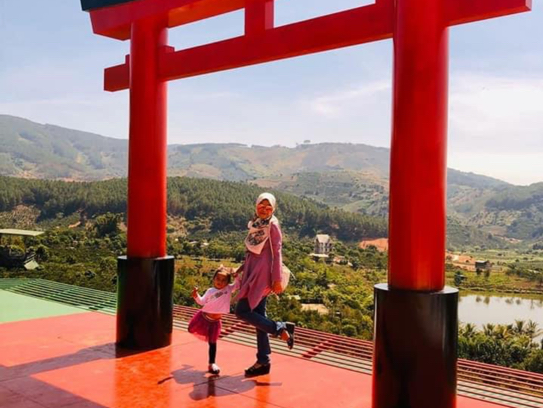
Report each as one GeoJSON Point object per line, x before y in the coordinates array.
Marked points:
{"type": "Point", "coordinates": [416, 315]}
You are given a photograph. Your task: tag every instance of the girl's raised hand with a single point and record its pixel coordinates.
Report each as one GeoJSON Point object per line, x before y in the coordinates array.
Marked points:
{"type": "Point", "coordinates": [195, 292]}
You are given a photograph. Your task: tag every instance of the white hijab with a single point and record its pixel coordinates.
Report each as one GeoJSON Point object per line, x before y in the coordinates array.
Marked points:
{"type": "Point", "coordinates": [259, 229]}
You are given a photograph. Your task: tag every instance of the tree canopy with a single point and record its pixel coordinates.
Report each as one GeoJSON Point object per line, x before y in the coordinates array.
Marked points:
{"type": "Point", "coordinates": [226, 205]}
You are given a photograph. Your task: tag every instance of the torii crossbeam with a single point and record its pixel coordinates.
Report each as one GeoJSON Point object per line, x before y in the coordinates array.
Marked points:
{"type": "Point", "coordinates": [416, 315]}
{"type": "Point", "coordinates": [263, 42]}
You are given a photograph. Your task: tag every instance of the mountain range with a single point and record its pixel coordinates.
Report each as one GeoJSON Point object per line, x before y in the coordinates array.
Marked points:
{"type": "Point", "coordinates": [353, 177]}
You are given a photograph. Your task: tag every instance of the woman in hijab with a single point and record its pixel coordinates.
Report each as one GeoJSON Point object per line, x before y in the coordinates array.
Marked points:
{"type": "Point", "coordinates": [262, 276]}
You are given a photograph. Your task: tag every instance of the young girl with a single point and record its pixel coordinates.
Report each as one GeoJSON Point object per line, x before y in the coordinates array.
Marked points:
{"type": "Point", "coordinates": [206, 324]}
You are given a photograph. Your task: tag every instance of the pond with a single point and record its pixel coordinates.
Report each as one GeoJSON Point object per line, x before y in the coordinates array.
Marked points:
{"type": "Point", "coordinates": [480, 309]}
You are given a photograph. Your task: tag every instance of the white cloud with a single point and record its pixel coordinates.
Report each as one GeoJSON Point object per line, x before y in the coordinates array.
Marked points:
{"type": "Point", "coordinates": [496, 126]}
{"type": "Point", "coordinates": [345, 102]}
{"type": "Point", "coordinates": [106, 115]}
{"type": "Point", "coordinates": [496, 114]}
{"type": "Point", "coordinates": [520, 169]}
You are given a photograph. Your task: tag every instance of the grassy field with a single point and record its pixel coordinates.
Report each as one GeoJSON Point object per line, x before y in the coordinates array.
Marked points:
{"type": "Point", "coordinates": [500, 278]}
{"type": "Point", "coordinates": [497, 256]}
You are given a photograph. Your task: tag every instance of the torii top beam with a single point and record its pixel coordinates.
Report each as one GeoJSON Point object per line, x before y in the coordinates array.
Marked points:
{"type": "Point", "coordinates": [262, 42]}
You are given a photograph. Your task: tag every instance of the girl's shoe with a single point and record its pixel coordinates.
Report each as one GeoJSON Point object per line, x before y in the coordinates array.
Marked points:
{"type": "Point", "coordinates": [255, 370]}
{"type": "Point", "coordinates": [290, 329]}
{"type": "Point", "coordinates": [213, 369]}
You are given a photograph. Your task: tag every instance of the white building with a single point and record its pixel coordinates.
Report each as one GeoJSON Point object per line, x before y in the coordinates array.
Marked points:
{"type": "Point", "coordinates": [323, 244]}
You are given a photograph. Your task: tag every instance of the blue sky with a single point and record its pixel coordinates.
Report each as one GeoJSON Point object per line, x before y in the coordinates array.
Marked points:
{"type": "Point", "coordinates": [51, 71]}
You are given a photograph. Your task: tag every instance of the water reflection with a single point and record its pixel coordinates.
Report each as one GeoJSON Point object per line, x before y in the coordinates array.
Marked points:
{"type": "Point", "coordinates": [483, 309]}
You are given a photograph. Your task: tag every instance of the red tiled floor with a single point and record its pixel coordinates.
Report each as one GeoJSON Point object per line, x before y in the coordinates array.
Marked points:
{"type": "Point", "coordinates": [299, 383]}
{"type": "Point", "coordinates": [169, 377]}
{"type": "Point", "coordinates": [42, 394]}
{"type": "Point", "coordinates": [41, 339]}
{"type": "Point", "coordinates": [45, 339]}
{"type": "Point", "coordinates": [10, 399]}
{"type": "Point", "coordinates": [70, 361]}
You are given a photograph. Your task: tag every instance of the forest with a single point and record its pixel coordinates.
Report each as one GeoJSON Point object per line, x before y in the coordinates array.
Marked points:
{"type": "Point", "coordinates": [225, 206]}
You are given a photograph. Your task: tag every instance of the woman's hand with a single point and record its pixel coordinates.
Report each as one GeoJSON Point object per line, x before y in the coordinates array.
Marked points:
{"type": "Point", "coordinates": [277, 288]}
{"type": "Point", "coordinates": [195, 292]}
{"type": "Point", "coordinates": [237, 271]}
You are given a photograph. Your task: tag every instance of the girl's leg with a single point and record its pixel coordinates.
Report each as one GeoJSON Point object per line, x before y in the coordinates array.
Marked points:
{"type": "Point", "coordinates": [212, 367]}
{"type": "Point", "coordinates": [212, 352]}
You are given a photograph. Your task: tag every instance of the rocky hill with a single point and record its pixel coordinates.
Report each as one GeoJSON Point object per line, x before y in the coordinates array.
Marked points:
{"type": "Point", "coordinates": [32, 150]}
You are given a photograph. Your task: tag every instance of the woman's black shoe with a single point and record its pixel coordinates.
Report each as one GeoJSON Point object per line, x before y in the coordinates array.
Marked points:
{"type": "Point", "coordinates": [253, 371]}
{"type": "Point", "coordinates": [290, 329]}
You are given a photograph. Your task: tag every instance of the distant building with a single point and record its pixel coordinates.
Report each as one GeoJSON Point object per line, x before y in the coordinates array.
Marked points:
{"type": "Point", "coordinates": [481, 266]}
{"type": "Point", "coordinates": [323, 244]}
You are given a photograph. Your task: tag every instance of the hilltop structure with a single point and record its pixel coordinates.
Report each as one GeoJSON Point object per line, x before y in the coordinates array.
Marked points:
{"type": "Point", "coordinates": [323, 245]}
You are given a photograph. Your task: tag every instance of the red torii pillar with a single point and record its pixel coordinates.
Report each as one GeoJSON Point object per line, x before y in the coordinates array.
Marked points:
{"type": "Point", "coordinates": [416, 315]}
{"type": "Point", "coordinates": [146, 275]}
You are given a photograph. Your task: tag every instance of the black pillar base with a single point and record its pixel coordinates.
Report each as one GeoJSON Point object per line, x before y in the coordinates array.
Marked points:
{"type": "Point", "coordinates": [415, 350]}
{"type": "Point", "coordinates": [144, 302]}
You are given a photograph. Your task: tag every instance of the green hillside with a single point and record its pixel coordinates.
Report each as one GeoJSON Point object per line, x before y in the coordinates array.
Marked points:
{"type": "Point", "coordinates": [214, 206]}
{"type": "Point", "coordinates": [351, 177]}
{"type": "Point", "coordinates": [33, 150]}
{"type": "Point", "coordinates": [519, 210]}
{"type": "Point", "coordinates": [367, 192]}
{"type": "Point", "coordinates": [196, 206]}
{"type": "Point", "coordinates": [353, 191]}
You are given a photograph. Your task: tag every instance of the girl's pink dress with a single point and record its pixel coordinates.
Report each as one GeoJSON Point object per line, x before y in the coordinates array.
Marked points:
{"type": "Point", "coordinates": [205, 328]}
{"type": "Point", "coordinates": [215, 301]}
